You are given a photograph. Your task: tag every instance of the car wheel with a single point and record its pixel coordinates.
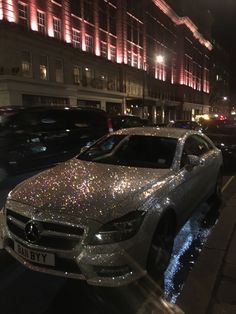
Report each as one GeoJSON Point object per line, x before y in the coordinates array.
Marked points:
{"type": "Point", "coordinates": [217, 195]}
{"type": "Point", "coordinates": [161, 247]}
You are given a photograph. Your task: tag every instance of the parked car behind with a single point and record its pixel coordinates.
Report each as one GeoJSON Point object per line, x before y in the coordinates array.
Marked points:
{"type": "Point", "coordinates": [110, 214]}
{"type": "Point", "coordinates": [35, 138]}
{"type": "Point", "coordinates": [186, 124]}
{"type": "Point", "coordinates": [223, 134]}
{"type": "Point", "coordinates": [126, 121]}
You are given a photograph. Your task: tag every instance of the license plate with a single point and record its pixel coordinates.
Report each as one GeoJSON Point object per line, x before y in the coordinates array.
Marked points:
{"type": "Point", "coordinates": [38, 257]}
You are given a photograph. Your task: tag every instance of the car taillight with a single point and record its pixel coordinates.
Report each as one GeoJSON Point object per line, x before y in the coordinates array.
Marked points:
{"type": "Point", "coordinates": [109, 124]}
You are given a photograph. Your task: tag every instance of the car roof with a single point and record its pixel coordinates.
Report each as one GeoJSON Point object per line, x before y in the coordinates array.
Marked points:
{"type": "Point", "coordinates": [125, 116]}
{"type": "Point", "coordinates": [184, 121]}
{"type": "Point", "coordinates": [155, 131]}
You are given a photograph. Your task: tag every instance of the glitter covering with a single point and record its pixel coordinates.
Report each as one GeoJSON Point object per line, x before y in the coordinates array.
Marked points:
{"type": "Point", "coordinates": [85, 195]}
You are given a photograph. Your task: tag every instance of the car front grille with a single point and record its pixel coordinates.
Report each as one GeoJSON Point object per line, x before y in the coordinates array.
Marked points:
{"type": "Point", "coordinates": [52, 236]}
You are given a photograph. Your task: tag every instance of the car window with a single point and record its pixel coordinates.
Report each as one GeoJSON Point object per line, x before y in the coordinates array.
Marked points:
{"type": "Point", "coordinates": [133, 150]}
{"type": "Point", "coordinates": [126, 122]}
{"type": "Point", "coordinates": [85, 119]}
{"type": "Point", "coordinates": [57, 120]}
{"type": "Point", "coordinates": [42, 120]}
{"type": "Point", "coordinates": [102, 147]}
{"type": "Point", "coordinates": [185, 125]}
{"type": "Point", "coordinates": [194, 145]}
{"type": "Point", "coordinates": [203, 144]}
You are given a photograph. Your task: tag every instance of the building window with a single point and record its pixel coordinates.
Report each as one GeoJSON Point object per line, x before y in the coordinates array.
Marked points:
{"type": "Point", "coordinates": [112, 20]}
{"type": "Point", "coordinates": [113, 53]}
{"type": "Point", "coordinates": [206, 87]}
{"type": "Point", "coordinates": [89, 43]}
{"type": "Point", "coordinates": [77, 74]}
{"type": "Point", "coordinates": [76, 38]}
{"type": "Point", "coordinates": [103, 49]}
{"type": "Point", "coordinates": [59, 71]}
{"type": "Point", "coordinates": [103, 14]}
{"type": "Point", "coordinates": [129, 57]}
{"type": "Point", "coordinates": [88, 10]}
{"type": "Point", "coordinates": [43, 68]}
{"type": "Point", "coordinates": [23, 13]}
{"type": "Point", "coordinates": [199, 80]}
{"type": "Point", "coordinates": [135, 60]}
{"type": "Point", "coordinates": [57, 27]}
{"type": "Point", "coordinates": [76, 7]}
{"type": "Point", "coordinates": [87, 76]}
{"type": "Point", "coordinates": [26, 64]}
{"type": "Point", "coordinates": [188, 71]}
{"type": "Point", "coordinates": [41, 22]}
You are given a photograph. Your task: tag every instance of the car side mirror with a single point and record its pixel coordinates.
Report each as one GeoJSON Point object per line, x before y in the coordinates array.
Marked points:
{"type": "Point", "coordinates": [193, 161]}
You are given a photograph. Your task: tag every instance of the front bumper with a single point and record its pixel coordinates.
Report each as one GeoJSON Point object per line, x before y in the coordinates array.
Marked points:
{"type": "Point", "coordinates": [107, 269]}
{"type": "Point", "coordinates": [101, 265]}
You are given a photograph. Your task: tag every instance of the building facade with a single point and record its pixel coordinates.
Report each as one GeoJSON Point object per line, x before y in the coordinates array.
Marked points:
{"type": "Point", "coordinates": [124, 56]}
{"type": "Point", "coordinates": [220, 102]}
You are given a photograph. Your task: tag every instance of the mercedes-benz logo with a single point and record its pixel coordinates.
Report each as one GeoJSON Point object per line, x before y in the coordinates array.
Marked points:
{"type": "Point", "coordinates": [33, 231]}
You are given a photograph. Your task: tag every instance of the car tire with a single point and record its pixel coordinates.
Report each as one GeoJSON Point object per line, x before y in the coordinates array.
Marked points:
{"type": "Point", "coordinates": [217, 194]}
{"type": "Point", "coordinates": [161, 247]}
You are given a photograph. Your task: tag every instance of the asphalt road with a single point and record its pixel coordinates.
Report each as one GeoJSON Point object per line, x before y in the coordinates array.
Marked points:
{"type": "Point", "coordinates": [25, 292]}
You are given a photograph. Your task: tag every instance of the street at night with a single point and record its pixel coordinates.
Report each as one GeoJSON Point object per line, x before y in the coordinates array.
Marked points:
{"type": "Point", "coordinates": [117, 157]}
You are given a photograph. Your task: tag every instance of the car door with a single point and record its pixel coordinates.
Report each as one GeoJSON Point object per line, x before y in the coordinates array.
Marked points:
{"type": "Point", "coordinates": [191, 182]}
{"type": "Point", "coordinates": [209, 164]}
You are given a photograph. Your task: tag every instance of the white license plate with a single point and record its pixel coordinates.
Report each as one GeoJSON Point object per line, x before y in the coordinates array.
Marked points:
{"type": "Point", "coordinates": [38, 257]}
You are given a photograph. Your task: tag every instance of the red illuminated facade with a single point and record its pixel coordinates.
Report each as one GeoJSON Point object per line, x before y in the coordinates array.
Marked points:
{"type": "Point", "coordinates": [128, 56]}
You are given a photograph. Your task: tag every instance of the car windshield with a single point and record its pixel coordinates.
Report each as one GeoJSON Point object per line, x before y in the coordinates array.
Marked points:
{"type": "Point", "coordinates": [133, 150]}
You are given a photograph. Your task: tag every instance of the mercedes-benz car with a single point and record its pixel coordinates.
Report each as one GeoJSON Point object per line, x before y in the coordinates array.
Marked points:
{"type": "Point", "coordinates": [110, 215]}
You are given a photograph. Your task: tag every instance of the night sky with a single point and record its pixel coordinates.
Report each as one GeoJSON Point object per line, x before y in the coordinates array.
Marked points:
{"type": "Point", "coordinates": [224, 31]}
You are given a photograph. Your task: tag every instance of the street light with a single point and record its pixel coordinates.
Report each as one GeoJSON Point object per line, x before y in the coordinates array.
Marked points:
{"type": "Point", "coordinates": [160, 59]}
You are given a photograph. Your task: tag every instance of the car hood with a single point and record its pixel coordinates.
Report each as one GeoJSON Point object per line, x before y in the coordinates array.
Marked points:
{"type": "Point", "coordinates": [89, 190]}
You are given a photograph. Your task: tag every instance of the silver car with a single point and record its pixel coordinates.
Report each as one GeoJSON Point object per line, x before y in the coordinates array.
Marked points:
{"type": "Point", "coordinates": [110, 215]}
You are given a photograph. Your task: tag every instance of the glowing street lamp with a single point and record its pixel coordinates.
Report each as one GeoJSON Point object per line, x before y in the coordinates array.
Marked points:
{"type": "Point", "coordinates": [225, 98]}
{"type": "Point", "coordinates": [160, 59]}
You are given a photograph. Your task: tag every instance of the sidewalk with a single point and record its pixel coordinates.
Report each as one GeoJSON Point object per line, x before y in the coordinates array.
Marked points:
{"type": "Point", "coordinates": [211, 285]}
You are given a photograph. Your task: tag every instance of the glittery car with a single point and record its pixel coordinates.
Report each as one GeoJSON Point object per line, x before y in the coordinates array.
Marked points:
{"type": "Point", "coordinates": [110, 215]}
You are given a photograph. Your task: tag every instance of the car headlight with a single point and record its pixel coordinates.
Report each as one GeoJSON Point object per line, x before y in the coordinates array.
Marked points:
{"type": "Point", "coordinates": [119, 229]}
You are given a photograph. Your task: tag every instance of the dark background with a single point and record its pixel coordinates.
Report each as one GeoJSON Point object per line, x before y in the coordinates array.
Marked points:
{"type": "Point", "coordinates": [224, 31]}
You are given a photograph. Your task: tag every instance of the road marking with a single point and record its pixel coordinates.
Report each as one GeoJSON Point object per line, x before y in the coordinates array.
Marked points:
{"type": "Point", "coordinates": [227, 183]}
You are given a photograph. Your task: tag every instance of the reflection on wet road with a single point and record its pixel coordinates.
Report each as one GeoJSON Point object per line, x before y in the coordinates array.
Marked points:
{"type": "Point", "coordinates": [187, 247]}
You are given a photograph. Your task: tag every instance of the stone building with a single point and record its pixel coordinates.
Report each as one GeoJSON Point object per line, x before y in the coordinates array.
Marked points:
{"type": "Point", "coordinates": [124, 56]}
